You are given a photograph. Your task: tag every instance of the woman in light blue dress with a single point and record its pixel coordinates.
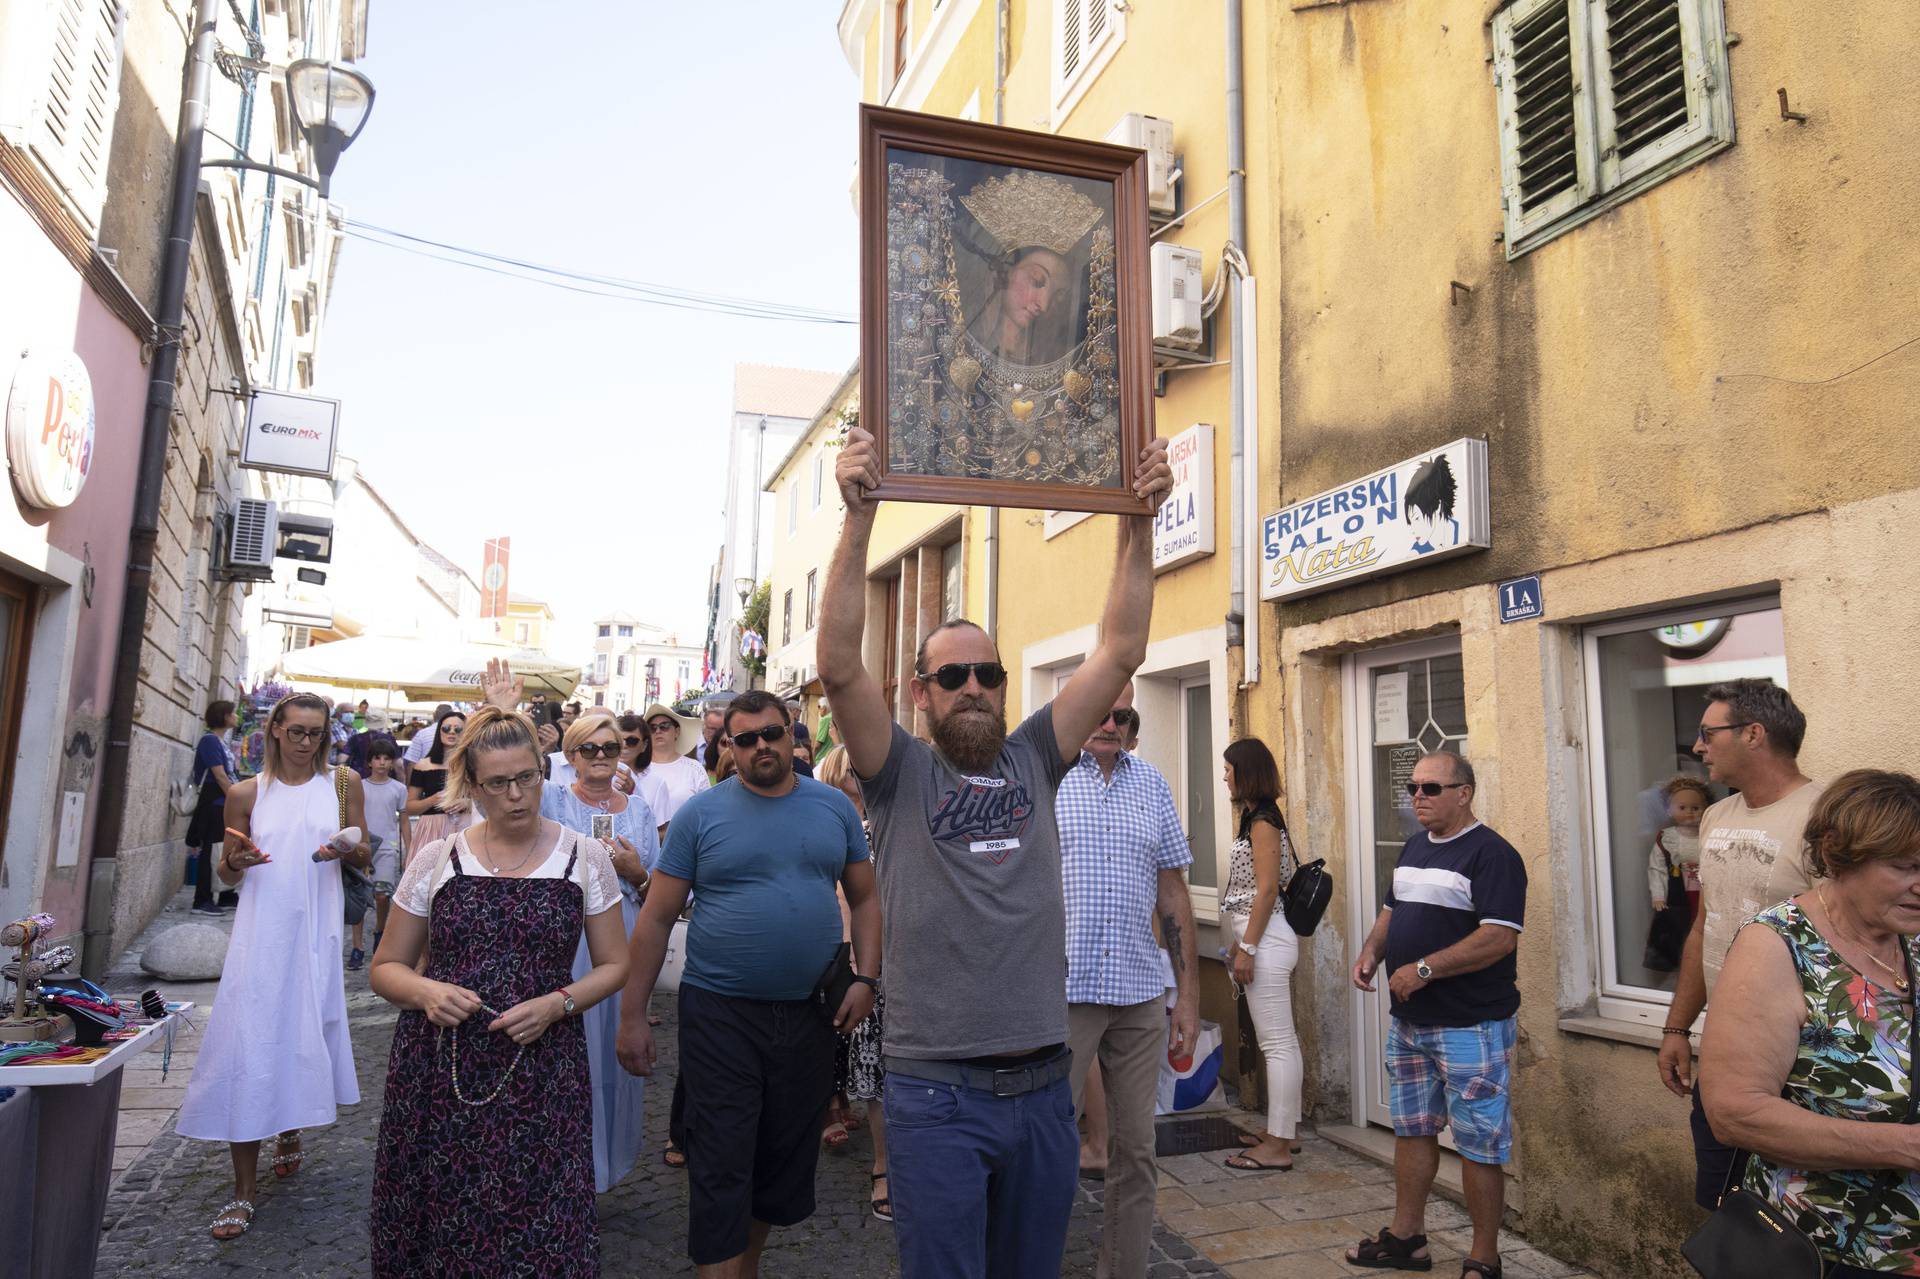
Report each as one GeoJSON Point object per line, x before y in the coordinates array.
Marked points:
{"type": "Point", "coordinates": [592, 747]}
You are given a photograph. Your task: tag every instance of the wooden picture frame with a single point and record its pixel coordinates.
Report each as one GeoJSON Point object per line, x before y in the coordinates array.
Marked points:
{"type": "Point", "coordinates": [1006, 351]}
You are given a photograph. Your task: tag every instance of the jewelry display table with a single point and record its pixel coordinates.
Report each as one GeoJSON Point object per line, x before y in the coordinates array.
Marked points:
{"type": "Point", "coordinates": [56, 1158]}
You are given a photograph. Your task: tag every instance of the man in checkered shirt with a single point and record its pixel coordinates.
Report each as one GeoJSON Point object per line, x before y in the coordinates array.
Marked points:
{"type": "Point", "coordinates": [1123, 856]}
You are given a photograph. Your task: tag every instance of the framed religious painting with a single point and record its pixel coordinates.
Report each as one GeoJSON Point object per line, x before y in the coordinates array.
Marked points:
{"type": "Point", "coordinates": [1005, 346]}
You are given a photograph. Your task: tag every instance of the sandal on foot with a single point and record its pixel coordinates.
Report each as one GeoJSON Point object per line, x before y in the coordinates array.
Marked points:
{"type": "Point", "coordinates": [833, 1138]}
{"type": "Point", "coordinates": [1252, 1139]}
{"type": "Point", "coordinates": [1247, 1163]}
{"type": "Point", "coordinates": [1387, 1251]}
{"type": "Point", "coordinates": [287, 1162]}
{"type": "Point", "coordinates": [883, 1205]}
{"type": "Point", "coordinates": [228, 1218]}
{"type": "Point", "coordinates": [673, 1156]}
{"type": "Point", "coordinates": [1469, 1266]}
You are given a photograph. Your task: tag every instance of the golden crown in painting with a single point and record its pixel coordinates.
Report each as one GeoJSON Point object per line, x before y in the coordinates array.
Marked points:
{"type": "Point", "coordinates": [1024, 210]}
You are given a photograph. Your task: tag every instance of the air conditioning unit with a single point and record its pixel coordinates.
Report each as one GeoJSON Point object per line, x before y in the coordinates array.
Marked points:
{"type": "Point", "coordinates": [1178, 297]}
{"type": "Point", "coordinates": [1155, 137]}
{"type": "Point", "coordinates": [253, 535]}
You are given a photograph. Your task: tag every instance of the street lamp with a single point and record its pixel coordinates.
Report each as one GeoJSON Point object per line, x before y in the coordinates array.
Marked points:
{"type": "Point", "coordinates": [330, 106]}
{"type": "Point", "coordinates": [743, 587]}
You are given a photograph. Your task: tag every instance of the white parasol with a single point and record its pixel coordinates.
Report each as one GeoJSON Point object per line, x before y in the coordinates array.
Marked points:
{"type": "Point", "coordinates": [425, 670]}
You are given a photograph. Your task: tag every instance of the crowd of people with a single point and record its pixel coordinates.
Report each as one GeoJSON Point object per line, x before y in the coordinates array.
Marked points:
{"type": "Point", "coordinates": [986, 938]}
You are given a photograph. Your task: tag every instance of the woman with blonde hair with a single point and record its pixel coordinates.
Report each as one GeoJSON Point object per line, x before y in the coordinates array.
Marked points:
{"type": "Point", "coordinates": [592, 747]}
{"type": "Point", "coordinates": [277, 1057]}
{"type": "Point", "coordinates": [485, 1162]}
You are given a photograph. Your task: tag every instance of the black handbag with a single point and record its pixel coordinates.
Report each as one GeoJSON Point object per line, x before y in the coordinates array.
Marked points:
{"type": "Point", "coordinates": [1746, 1236]}
{"type": "Point", "coordinates": [1306, 897]}
{"type": "Point", "coordinates": [831, 990]}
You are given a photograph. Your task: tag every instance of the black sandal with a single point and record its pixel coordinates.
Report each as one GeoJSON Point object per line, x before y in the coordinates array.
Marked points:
{"type": "Point", "coordinates": [1469, 1266]}
{"type": "Point", "coordinates": [1388, 1251]}
{"type": "Point", "coordinates": [883, 1206]}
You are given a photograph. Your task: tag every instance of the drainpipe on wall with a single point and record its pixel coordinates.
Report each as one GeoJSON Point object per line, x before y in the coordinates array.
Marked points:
{"type": "Point", "coordinates": [1242, 623]}
{"type": "Point", "coordinates": [993, 512]}
{"type": "Point", "coordinates": [155, 434]}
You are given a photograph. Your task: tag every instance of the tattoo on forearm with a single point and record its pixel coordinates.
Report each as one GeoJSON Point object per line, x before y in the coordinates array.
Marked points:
{"type": "Point", "coordinates": [1170, 929]}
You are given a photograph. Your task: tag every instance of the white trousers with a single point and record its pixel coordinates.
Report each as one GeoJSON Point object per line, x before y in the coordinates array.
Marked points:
{"type": "Point", "coordinates": [1270, 1003]}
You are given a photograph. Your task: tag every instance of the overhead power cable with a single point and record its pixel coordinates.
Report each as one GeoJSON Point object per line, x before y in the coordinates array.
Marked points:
{"type": "Point", "coordinates": [589, 283]}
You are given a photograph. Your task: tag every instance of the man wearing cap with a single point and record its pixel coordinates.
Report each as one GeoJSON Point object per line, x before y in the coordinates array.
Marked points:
{"type": "Point", "coordinates": [677, 776]}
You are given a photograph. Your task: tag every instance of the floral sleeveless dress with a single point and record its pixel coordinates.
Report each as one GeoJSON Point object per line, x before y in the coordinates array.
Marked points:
{"type": "Point", "coordinates": [504, 1188]}
{"type": "Point", "coordinates": [1854, 1063]}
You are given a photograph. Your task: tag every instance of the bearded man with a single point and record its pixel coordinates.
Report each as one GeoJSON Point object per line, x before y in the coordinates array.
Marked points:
{"type": "Point", "coordinates": [983, 1154]}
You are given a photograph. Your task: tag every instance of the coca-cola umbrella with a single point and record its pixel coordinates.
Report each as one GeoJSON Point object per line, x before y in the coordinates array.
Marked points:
{"type": "Point", "coordinates": [424, 670]}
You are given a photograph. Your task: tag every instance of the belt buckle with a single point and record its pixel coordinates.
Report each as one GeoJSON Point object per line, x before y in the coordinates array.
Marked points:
{"type": "Point", "coordinates": [1014, 1071]}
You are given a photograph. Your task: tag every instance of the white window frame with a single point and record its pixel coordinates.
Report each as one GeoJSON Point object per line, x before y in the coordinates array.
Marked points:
{"type": "Point", "coordinates": [819, 475]}
{"type": "Point", "coordinates": [793, 507]}
{"type": "Point", "coordinates": [1095, 53]}
{"type": "Point", "coordinates": [32, 41]}
{"type": "Point", "coordinates": [1616, 1000]}
{"type": "Point", "coordinates": [1604, 181]}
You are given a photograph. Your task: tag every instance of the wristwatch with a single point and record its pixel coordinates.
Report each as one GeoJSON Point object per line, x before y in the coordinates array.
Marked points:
{"type": "Point", "coordinates": [566, 1001]}
{"type": "Point", "coordinates": [1425, 972]}
{"type": "Point", "coordinates": [1249, 947]}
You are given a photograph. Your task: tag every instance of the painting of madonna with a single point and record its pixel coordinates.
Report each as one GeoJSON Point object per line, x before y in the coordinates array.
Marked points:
{"type": "Point", "coordinates": [1002, 342]}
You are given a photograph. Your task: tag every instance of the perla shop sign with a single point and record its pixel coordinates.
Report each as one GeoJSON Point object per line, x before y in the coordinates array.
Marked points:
{"type": "Point", "coordinates": [50, 428]}
{"type": "Point", "coordinates": [1427, 508]}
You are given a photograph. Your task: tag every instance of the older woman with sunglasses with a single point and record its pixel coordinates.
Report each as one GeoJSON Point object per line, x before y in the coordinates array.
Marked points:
{"type": "Point", "coordinates": [592, 805]}
{"type": "Point", "coordinates": [678, 776]}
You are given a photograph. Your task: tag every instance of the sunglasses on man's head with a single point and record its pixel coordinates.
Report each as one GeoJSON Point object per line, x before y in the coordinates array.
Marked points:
{"type": "Point", "coordinates": [749, 738]}
{"type": "Point", "coordinates": [953, 675]}
{"type": "Point", "coordinates": [598, 750]}
{"type": "Point", "coordinates": [1431, 789]}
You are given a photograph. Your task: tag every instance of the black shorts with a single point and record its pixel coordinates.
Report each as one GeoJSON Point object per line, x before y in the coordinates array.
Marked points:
{"type": "Point", "coordinates": [758, 1077]}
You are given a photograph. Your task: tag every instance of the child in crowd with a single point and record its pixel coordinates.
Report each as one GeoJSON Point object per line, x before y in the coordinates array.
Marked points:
{"type": "Point", "coordinates": [386, 796]}
{"type": "Point", "coordinates": [1676, 849]}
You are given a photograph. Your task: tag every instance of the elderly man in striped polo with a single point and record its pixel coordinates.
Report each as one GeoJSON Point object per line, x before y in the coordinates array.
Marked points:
{"type": "Point", "coordinates": [1123, 854]}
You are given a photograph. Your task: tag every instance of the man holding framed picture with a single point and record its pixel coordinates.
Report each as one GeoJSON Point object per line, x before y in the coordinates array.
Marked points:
{"type": "Point", "coordinates": [984, 1156]}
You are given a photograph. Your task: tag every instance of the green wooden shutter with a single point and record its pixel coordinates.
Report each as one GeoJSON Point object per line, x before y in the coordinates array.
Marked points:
{"type": "Point", "coordinates": [1546, 124]}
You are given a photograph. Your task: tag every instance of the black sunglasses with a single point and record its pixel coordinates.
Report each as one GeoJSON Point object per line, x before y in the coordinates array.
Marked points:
{"type": "Point", "coordinates": [1431, 789]}
{"type": "Point", "coordinates": [633, 741]}
{"type": "Point", "coordinates": [597, 750]}
{"type": "Point", "coordinates": [953, 675]}
{"type": "Point", "coordinates": [748, 738]}
{"type": "Point", "coordinates": [1124, 718]}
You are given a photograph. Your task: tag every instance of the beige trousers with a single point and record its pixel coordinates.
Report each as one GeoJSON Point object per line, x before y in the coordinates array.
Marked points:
{"type": "Point", "coordinates": [1130, 1043]}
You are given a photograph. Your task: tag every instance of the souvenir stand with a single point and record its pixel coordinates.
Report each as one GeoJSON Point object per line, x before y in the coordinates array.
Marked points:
{"type": "Point", "coordinates": [63, 1043]}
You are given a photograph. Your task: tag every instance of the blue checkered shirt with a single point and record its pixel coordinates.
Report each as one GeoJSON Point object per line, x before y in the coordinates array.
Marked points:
{"type": "Point", "coordinates": [1115, 839]}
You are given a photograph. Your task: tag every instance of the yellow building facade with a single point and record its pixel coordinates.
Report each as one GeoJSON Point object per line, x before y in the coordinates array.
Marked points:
{"type": "Point", "coordinates": [1663, 314]}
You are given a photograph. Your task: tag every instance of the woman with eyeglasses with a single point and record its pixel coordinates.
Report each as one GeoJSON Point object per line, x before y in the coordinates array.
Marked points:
{"type": "Point", "coordinates": [1264, 949]}
{"type": "Point", "coordinates": [485, 1163]}
{"type": "Point", "coordinates": [592, 746]}
{"type": "Point", "coordinates": [277, 1057]}
{"type": "Point", "coordinates": [427, 783]}
{"type": "Point", "coordinates": [677, 776]}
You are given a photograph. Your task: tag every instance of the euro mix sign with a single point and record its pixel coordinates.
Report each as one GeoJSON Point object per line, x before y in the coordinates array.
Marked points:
{"type": "Point", "coordinates": [292, 434]}
{"type": "Point", "coordinates": [1419, 511]}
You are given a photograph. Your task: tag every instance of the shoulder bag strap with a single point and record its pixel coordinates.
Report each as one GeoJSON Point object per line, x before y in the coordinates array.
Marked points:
{"type": "Point", "coordinates": [340, 775]}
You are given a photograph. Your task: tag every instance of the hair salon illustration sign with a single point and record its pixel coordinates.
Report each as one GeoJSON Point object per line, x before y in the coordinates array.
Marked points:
{"type": "Point", "coordinates": [50, 428]}
{"type": "Point", "coordinates": [1427, 508]}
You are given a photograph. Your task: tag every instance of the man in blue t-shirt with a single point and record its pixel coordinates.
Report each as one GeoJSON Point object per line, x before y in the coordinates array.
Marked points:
{"type": "Point", "coordinates": [1446, 936]}
{"type": "Point", "coordinates": [764, 851]}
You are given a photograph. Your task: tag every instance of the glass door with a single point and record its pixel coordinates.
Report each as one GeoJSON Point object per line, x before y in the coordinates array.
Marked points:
{"type": "Point", "coordinates": [1402, 703]}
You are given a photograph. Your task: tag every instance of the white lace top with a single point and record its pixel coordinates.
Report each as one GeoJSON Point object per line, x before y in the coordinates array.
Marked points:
{"type": "Point", "coordinates": [432, 867]}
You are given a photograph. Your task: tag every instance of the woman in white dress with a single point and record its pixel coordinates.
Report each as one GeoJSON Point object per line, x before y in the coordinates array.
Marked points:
{"type": "Point", "coordinates": [678, 777]}
{"type": "Point", "coordinates": [277, 1057]}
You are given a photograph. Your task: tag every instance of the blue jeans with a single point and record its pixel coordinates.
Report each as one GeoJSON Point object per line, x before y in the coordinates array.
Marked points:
{"type": "Point", "coordinates": [982, 1185]}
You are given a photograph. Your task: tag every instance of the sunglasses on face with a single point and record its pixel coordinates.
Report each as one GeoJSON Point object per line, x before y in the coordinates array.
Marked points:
{"type": "Point", "coordinates": [663, 726]}
{"type": "Point", "coordinates": [953, 675]}
{"type": "Point", "coordinates": [304, 734]}
{"type": "Point", "coordinates": [747, 739]}
{"type": "Point", "coordinates": [1123, 718]}
{"type": "Point", "coordinates": [1432, 789]}
{"type": "Point", "coordinates": [597, 750]}
{"type": "Point", "coordinates": [1708, 730]}
{"type": "Point", "coordinates": [632, 741]}
{"type": "Point", "coordinates": [499, 785]}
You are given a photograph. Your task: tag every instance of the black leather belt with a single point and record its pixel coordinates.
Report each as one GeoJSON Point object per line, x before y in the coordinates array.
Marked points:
{"type": "Point", "coordinates": [1013, 1081]}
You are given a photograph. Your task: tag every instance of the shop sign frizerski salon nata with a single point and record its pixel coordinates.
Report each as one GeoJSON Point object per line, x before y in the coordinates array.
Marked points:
{"type": "Point", "coordinates": [292, 434]}
{"type": "Point", "coordinates": [1183, 526]}
{"type": "Point", "coordinates": [50, 428]}
{"type": "Point", "coordinates": [1427, 508]}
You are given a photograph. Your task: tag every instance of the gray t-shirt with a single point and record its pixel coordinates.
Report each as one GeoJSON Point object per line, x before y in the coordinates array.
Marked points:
{"type": "Point", "coordinates": [974, 930]}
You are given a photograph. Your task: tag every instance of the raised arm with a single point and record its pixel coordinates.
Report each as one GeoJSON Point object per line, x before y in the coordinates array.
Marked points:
{"type": "Point", "coordinates": [1090, 694]}
{"type": "Point", "coordinates": [859, 711]}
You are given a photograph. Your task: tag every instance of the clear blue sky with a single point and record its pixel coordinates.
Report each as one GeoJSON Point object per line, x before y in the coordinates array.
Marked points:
{"type": "Point", "coordinates": [708, 147]}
